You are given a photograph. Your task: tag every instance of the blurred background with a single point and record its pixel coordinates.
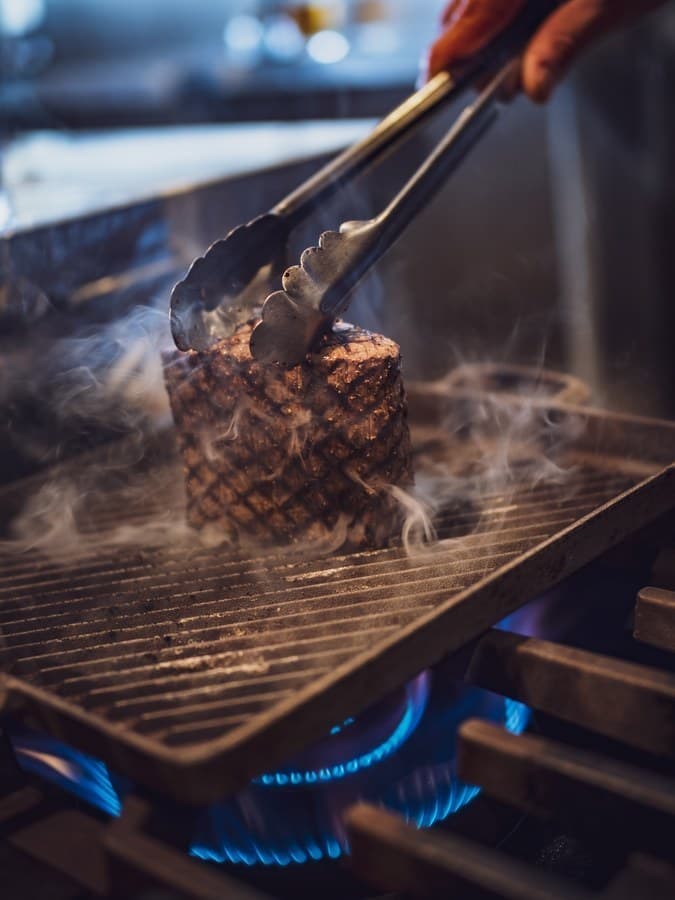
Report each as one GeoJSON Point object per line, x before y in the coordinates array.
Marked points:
{"type": "Point", "coordinates": [104, 62]}
{"type": "Point", "coordinates": [553, 244]}
{"type": "Point", "coordinates": [76, 65]}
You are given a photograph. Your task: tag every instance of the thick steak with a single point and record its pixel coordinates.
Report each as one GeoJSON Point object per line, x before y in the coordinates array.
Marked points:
{"type": "Point", "coordinates": [307, 453]}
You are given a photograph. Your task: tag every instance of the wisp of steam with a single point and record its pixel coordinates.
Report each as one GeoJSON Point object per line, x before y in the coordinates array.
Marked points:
{"type": "Point", "coordinates": [109, 378]}
{"type": "Point", "coordinates": [489, 446]}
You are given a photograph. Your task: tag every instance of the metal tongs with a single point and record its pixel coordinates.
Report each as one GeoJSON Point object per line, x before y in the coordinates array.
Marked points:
{"type": "Point", "coordinates": [317, 291]}
{"type": "Point", "coordinates": [225, 287]}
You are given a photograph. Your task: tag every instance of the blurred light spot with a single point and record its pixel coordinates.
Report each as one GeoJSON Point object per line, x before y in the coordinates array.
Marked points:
{"type": "Point", "coordinates": [243, 34]}
{"type": "Point", "coordinates": [5, 210]}
{"type": "Point", "coordinates": [378, 39]}
{"type": "Point", "coordinates": [20, 16]}
{"type": "Point", "coordinates": [328, 47]}
{"type": "Point", "coordinates": [283, 39]}
{"type": "Point", "coordinates": [82, 775]}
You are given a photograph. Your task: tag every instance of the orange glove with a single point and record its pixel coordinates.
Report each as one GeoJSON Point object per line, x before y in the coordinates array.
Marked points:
{"type": "Point", "coordinates": [470, 24]}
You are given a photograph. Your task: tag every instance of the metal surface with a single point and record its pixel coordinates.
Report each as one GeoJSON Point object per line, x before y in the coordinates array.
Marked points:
{"type": "Point", "coordinates": [394, 856]}
{"type": "Point", "coordinates": [509, 379]}
{"type": "Point", "coordinates": [317, 291]}
{"type": "Point", "coordinates": [644, 876]}
{"type": "Point", "coordinates": [612, 798]}
{"type": "Point", "coordinates": [655, 618]}
{"type": "Point", "coordinates": [622, 700]}
{"type": "Point", "coordinates": [588, 793]}
{"type": "Point", "coordinates": [114, 859]}
{"type": "Point", "coordinates": [139, 858]}
{"type": "Point", "coordinates": [192, 670]}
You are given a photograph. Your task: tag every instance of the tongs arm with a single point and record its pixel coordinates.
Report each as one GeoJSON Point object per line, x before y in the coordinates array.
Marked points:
{"type": "Point", "coordinates": [411, 114]}
{"type": "Point", "coordinates": [312, 193]}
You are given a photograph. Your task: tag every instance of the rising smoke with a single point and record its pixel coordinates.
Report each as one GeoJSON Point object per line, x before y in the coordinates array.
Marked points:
{"type": "Point", "coordinates": [469, 464]}
{"type": "Point", "coordinates": [104, 381]}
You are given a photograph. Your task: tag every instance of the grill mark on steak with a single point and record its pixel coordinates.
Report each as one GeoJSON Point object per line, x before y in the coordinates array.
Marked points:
{"type": "Point", "coordinates": [278, 455]}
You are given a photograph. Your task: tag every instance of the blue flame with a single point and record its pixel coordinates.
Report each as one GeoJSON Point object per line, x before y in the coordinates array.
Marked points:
{"type": "Point", "coordinates": [427, 796]}
{"type": "Point", "coordinates": [417, 694]}
{"type": "Point", "coordinates": [336, 729]}
{"type": "Point", "coordinates": [82, 775]}
{"type": "Point", "coordinates": [446, 793]}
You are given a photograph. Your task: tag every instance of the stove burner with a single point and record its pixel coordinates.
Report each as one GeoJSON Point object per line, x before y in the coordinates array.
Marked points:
{"type": "Point", "coordinates": [296, 824]}
{"type": "Point", "coordinates": [401, 754]}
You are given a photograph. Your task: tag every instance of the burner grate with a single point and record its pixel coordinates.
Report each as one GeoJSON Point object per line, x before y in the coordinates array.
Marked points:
{"type": "Point", "coordinates": [591, 795]}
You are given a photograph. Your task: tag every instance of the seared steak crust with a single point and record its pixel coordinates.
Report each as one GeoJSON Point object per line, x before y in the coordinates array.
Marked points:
{"type": "Point", "coordinates": [307, 453]}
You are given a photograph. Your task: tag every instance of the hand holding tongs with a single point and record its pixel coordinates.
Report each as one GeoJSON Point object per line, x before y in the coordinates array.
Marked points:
{"type": "Point", "coordinates": [224, 288]}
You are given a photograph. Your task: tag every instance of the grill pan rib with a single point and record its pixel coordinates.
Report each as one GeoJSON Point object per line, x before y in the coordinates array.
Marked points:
{"type": "Point", "coordinates": [193, 670]}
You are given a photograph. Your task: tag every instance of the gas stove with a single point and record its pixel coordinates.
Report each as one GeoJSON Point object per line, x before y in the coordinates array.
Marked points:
{"type": "Point", "coordinates": [182, 721]}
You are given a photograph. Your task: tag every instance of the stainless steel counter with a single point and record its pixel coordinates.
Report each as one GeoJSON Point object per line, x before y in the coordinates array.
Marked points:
{"type": "Point", "coordinates": [47, 176]}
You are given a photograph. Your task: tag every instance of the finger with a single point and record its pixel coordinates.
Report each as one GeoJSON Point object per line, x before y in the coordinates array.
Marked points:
{"type": "Point", "coordinates": [471, 25]}
{"type": "Point", "coordinates": [452, 11]}
{"type": "Point", "coordinates": [511, 86]}
{"type": "Point", "coordinates": [559, 40]}
{"type": "Point", "coordinates": [565, 34]}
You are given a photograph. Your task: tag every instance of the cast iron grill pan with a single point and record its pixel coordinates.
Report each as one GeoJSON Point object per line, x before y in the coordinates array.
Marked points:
{"type": "Point", "coordinates": [192, 670]}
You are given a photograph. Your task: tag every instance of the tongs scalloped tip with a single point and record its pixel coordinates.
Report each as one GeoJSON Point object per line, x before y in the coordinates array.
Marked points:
{"type": "Point", "coordinates": [221, 289]}
{"type": "Point", "coordinates": [292, 319]}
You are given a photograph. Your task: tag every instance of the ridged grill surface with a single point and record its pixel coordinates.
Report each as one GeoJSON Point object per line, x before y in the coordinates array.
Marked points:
{"type": "Point", "coordinates": [182, 645]}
